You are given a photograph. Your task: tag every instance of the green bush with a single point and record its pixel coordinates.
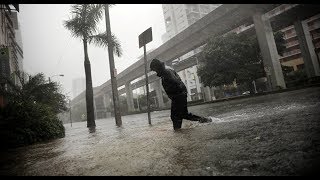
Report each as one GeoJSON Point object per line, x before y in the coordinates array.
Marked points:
{"type": "Point", "coordinates": [30, 114]}
{"type": "Point", "coordinates": [27, 123]}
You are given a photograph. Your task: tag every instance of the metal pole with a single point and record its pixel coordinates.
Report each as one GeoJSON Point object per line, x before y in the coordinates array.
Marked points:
{"type": "Point", "coordinates": [115, 96]}
{"type": "Point", "coordinates": [147, 82]}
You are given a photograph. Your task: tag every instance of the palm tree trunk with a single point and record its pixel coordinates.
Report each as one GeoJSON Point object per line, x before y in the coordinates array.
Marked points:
{"type": "Point", "coordinates": [89, 91]}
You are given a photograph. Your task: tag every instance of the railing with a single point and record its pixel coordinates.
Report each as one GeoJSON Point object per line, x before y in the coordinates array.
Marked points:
{"type": "Point", "coordinates": [291, 35]}
{"type": "Point", "coordinates": [314, 26]}
{"type": "Point", "coordinates": [291, 44]}
{"type": "Point", "coordinates": [290, 53]}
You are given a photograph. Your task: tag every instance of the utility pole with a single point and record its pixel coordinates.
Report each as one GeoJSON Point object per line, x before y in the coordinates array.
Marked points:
{"type": "Point", "coordinates": [115, 95]}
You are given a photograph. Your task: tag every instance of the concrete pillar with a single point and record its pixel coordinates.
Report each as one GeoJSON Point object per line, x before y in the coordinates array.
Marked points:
{"type": "Point", "coordinates": [158, 89]}
{"type": "Point", "coordinates": [104, 100]}
{"type": "Point", "coordinates": [107, 100]}
{"type": "Point", "coordinates": [269, 51]}
{"type": "Point", "coordinates": [307, 48]}
{"type": "Point", "coordinates": [95, 108]}
{"type": "Point", "coordinates": [198, 84]}
{"type": "Point", "coordinates": [129, 96]}
{"type": "Point", "coordinates": [207, 93]}
{"type": "Point", "coordinates": [213, 97]}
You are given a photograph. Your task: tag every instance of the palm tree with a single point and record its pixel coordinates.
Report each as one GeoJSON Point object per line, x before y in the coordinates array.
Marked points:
{"type": "Point", "coordinates": [83, 25]}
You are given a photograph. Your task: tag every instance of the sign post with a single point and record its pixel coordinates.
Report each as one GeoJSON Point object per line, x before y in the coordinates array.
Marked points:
{"type": "Point", "coordinates": [145, 38]}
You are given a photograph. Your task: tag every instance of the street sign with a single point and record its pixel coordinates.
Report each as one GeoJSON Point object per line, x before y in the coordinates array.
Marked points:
{"type": "Point", "coordinates": [145, 37]}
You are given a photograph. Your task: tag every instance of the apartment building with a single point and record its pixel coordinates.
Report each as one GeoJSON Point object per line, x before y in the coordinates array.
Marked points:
{"type": "Point", "coordinates": [11, 53]}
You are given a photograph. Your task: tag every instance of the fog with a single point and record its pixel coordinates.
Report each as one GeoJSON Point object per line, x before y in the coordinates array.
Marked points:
{"type": "Point", "coordinates": [48, 46]}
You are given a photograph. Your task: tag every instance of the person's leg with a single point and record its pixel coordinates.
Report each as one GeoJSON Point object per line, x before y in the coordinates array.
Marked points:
{"type": "Point", "coordinates": [184, 109]}
{"type": "Point", "coordinates": [176, 114]}
{"type": "Point", "coordinates": [192, 117]}
{"type": "Point", "coordinates": [189, 116]}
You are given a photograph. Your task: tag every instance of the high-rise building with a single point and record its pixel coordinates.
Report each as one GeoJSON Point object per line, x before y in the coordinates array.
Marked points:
{"type": "Point", "coordinates": [177, 18]}
{"type": "Point", "coordinates": [292, 56]}
{"type": "Point", "coordinates": [11, 53]}
{"type": "Point", "coordinates": [78, 86]}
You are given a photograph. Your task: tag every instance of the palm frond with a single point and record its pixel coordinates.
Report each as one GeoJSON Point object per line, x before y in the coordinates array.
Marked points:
{"type": "Point", "coordinates": [102, 40]}
{"type": "Point", "coordinates": [84, 20]}
{"type": "Point", "coordinates": [75, 26]}
{"type": "Point", "coordinates": [94, 14]}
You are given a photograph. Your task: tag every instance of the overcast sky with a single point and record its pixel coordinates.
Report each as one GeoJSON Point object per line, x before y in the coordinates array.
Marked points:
{"type": "Point", "coordinates": [49, 48]}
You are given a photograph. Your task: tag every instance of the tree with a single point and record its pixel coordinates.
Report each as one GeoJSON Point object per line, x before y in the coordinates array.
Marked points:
{"type": "Point", "coordinates": [233, 57]}
{"type": "Point", "coordinates": [84, 25]}
{"type": "Point", "coordinates": [31, 112]}
{"type": "Point", "coordinates": [35, 89]}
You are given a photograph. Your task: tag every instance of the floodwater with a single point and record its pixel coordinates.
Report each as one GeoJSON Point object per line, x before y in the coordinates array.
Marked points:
{"type": "Point", "coordinates": [138, 148]}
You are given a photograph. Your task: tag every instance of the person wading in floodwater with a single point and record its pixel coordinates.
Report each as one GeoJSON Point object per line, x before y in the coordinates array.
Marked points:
{"type": "Point", "coordinates": [177, 92]}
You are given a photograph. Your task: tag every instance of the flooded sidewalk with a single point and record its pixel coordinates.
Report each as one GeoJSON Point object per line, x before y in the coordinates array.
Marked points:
{"type": "Point", "coordinates": [275, 134]}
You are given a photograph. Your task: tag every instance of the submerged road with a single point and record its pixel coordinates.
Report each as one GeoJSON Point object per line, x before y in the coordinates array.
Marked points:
{"type": "Point", "coordinates": [275, 134]}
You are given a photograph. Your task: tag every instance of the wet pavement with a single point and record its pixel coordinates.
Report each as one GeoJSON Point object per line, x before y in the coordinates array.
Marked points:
{"type": "Point", "coordinates": [275, 134]}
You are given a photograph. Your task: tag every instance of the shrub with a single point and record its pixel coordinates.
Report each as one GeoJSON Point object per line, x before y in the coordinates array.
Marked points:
{"type": "Point", "coordinates": [27, 123]}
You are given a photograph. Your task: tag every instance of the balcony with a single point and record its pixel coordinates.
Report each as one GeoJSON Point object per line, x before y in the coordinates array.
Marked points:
{"type": "Point", "coordinates": [290, 53]}
{"type": "Point", "coordinates": [292, 44]}
{"type": "Point", "coordinates": [314, 26]}
{"type": "Point", "coordinates": [315, 36]}
{"type": "Point", "coordinates": [289, 36]}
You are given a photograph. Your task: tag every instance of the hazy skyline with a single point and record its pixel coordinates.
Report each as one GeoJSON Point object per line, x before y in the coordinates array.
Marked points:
{"type": "Point", "coordinates": [49, 48]}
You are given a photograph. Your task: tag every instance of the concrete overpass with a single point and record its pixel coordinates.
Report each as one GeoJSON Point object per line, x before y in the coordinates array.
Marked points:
{"type": "Point", "coordinates": [220, 21]}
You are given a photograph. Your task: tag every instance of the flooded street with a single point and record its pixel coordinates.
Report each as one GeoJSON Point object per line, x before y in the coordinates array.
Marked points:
{"type": "Point", "coordinates": [275, 134]}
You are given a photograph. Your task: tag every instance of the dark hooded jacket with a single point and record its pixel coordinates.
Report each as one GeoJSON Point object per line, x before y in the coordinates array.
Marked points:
{"type": "Point", "coordinates": [171, 82]}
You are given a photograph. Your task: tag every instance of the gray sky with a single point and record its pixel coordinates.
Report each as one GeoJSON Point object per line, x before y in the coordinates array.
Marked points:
{"type": "Point", "coordinates": [49, 48]}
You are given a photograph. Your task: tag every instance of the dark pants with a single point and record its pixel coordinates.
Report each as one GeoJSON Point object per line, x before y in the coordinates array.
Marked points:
{"type": "Point", "coordinates": [179, 111]}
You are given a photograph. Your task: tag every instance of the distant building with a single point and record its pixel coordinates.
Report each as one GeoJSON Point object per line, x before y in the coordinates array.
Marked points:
{"type": "Point", "coordinates": [11, 53]}
{"type": "Point", "coordinates": [292, 56]}
{"type": "Point", "coordinates": [78, 86]}
{"type": "Point", "coordinates": [177, 18]}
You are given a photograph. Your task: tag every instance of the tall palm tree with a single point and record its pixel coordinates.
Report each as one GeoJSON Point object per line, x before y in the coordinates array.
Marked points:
{"type": "Point", "coordinates": [83, 25]}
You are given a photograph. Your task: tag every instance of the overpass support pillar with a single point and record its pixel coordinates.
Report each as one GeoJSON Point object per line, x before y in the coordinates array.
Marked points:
{"type": "Point", "coordinates": [307, 48]}
{"type": "Point", "coordinates": [269, 51]}
{"type": "Point", "coordinates": [106, 100]}
{"type": "Point", "coordinates": [207, 93]}
{"type": "Point", "coordinates": [129, 98]}
{"type": "Point", "coordinates": [159, 94]}
{"type": "Point", "coordinates": [95, 108]}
